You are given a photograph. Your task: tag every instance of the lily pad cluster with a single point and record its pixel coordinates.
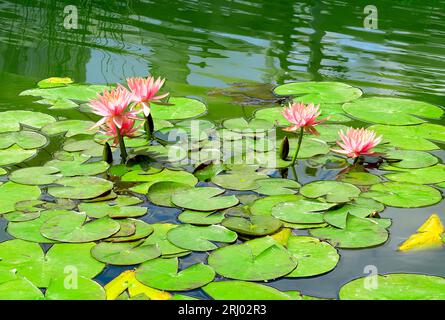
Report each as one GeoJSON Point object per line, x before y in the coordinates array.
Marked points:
{"type": "Point", "coordinates": [246, 221]}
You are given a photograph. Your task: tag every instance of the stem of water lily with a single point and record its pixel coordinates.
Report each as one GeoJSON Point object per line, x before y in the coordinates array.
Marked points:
{"type": "Point", "coordinates": [300, 139]}
{"type": "Point", "coordinates": [121, 145]}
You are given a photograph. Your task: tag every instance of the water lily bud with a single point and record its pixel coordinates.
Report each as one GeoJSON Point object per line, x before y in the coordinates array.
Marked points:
{"type": "Point", "coordinates": [149, 125]}
{"type": "Point", "coordinates": [107, 154]}
{"type": "Point", "coordinates": [284, 148]}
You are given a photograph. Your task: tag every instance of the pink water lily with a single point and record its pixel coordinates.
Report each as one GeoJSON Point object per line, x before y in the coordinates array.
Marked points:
{"type": "Point", "coordinates": [357, 142]}
{"type": "Point", "coordinates": [113, 106]}
{"type": "Point", "coordinates": [144, 90]}
{"type": "Point", "coordinates": [127, 129]}
{"type": "Point", "coordinates": [302, 116]}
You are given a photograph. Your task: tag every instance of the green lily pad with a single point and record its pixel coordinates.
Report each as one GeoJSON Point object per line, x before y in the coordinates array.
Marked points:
{"type": "Point", "coordinates": [85, 289]}
{"type": "Point", "coordinates": [329, 132]}
{"type": "Point", "coordinates": [404, 195]}
{"type": "Point", "coordinates": [360, 178]}
{"type": "Point", "coordinates": [25, 211]}
{"type": "Point", "coordinates": [392, 111]}
{"type": "Point", "coordinates": [73, 227]}
{"type": "Point", "coordinates": [85, 147]}
{"type": "Point", "coordinates": [428, 175]}
{"type": "Point", "coordinates": [142, 230]}
{"type": "Point", "coordinates": [243, 290]}
{"type": "Point", "coordinates": [241, 125]}
{"type": "Point", "coordinates": [238, 180]}
{"type": "Point", "coordinates": [20, 289]}
{"type": "Point", "coordinates": [263, 206]}
{"type": "Point", "coordinates": [36, 175]}
{"type": "Point", "coordinates": [201, 218]}
{"type": "Point", "coordinates": [61, 260]}
{"type": "Point", "coordinates": [358, 233]}
{"type": "Point", "coordinates": [54, 82]}
{"type": "Point", "coordinates": [69, 128]}
{"type": "Point", "coordinates": [24, 139]}
{"type": "Point", "coordinates": [256, 260]}
{"type": "Point", "coordinates": [121, 207]}
{"type": "Point", "coordinates": [80, 187]}
{"type": "Point", "coordinates": [161, 192]}
{"type": "Point", "coordinates": [416, 137]}
{"type": "Point", "coordinates": [314, 257]}
{"type": "Point", "coordinates": [319, 92]}
{"type": "Point", "coordinates": [163, 274]}
{"type": "Point", "coordinates": [197, 238]}
{"type": "Point", "coordinates": [80, 92]}
{"type": "Point", "coordinates": [164, 175]}
{"type": "Point", "coordinates": [310, 147]}
{"type": "Point", "coordinates": [125, 253]}
{"type": "Point", "coordinates": [14, 119]}
{"type": "Point", "coordinates": [302, 211]}
{"type": "Point", "coordinates": [14, 155]}
{"type": "Point", "coordinates": [11, 193]}
{"type": "Point", "coordinates": [277, 186]}
{"type": "Point", "coordinates": [30, 230]}
{"type": "Point", "coordinates": [410, 159]}
{"type": "Point", "coordinates": [181, 108]}
{"type": "Point", "coordinates": [253, 226]}
{"type": "Point", "coordinates": [203, 199]}
{"type": "Point", "coordinates": [331, 191]}
{"type": "Point", "coordinates": [394, 286]}
{"type": "Point", "coordinates": [360, 207]}
{"type": "Point", "coordinates": [159, 238]}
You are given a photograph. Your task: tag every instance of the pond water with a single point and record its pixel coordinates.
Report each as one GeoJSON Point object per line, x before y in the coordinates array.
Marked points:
{"type": "Point", "coordinates": [230, 55]}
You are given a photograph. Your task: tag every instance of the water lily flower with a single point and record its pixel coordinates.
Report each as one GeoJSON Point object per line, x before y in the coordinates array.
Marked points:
{"type": "Point", "coordinates": [127, 129]}
{"type": "Point", "coordinates": [113, 106]}
{"type": "Point", "coordinates": [357, 142]}
{"type": "Point", "coordinates": [144, 90]}
{"type": "Point", "coordinates": [304, 118]}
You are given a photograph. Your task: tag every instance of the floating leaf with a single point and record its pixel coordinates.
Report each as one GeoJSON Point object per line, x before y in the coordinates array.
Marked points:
{"type": "Point", "coordinates": [412, 137]}
{"type": "Point", "coordinates": [80, 92]}
{"type": "Point", "coordinates": [310, 147]}
{"type": "Point", "coordinates": [24, 139]}
{"type": "Point", "coordinates": [14, 119]}
{"type": "Point", "coordinates": [125, 253]}
{"type": "Point", "coordinates": [410, 159]}
{"type": "Point", "coordinates": [404, 195]}
{"type": "Point", "coordinates": [54, 82]}
{"type": "Point", "coordinates": [428, 175]}
{"type": "Point", "coordinates": [197, 238]}
{"type": "Point", "coordinates": [201, 218]}
{"type": "Point", "coordinates": [160, 192]}
{"type": "Point", "coordinates": [243, 290]}
{"type": "Point", "coordinates": [181, 108]}
{"type": "Point", "coordinates": [256, 260]}
{"type": "Point", "coordinates": [263, 206]}
{"type": "Point", "coordinates": [360, 178]}
{"type": "Point", "coordinates": [392, 111]}
{"type": "Point", "coordinates": [203, 199]}
{"type": "Point", "coordinates": [85, 289]}
{"type": "Point", "coordinates": [314, 257]}
{"type": "Point", "coordinates": [73, 227]}
{"type": "Point", "coordinates": [36, 175]}
{"type": "Point", "coordinates": [164, 175]}
{"type": "Point", "coordinates": [11, 193]}
{"type": "Point", "coordinates": [319, 92]}
{"type": "Point", "coordinates": [394, 286]}
{"type": "Point", "coordinates": [241, 125]}
{"type": "Point", "coordinates": [121, 207]}
{"type": "Point", "coordinates": [80, 187]}
{"type": "Point", "coordinates": [360, 207]}
{"type": "Point", "coordinates": [358, 233]}
{"type": "Point", "coordinates": [142, 230]}
{"type": "Point", "coordinates": [69, 128]}
{"type": "Point", "coordinates": [25, 211]}
{"type": "Point", "coordinates": [20, 289]}
{"type": "Point", "coordinates": [159, 238]}
{"type": "Point", "coordinates": [253, 226]}
{"type": "Point", "coordinates": [85, 147]}
{"type": "Point", "coordinates": [302, 211]}
{"type": "Point", "coordinates": [163, 274]}
{"type": "Point", "coordinates": [29, 260]}
{"type": "Point", "coordinates": [332, 191]}
{"type": "Point", "coordinates": [277, 186]}
{"type": "Point", "coordinates": [14, 155]}
{"type": "Point", "coordinates": [238, 180]}
{"type": "Point", "coordinates": [427, 236]}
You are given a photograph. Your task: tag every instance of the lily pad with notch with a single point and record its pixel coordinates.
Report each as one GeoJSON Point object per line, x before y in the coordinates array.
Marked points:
{"type": "Point", "coordinates": [201, 217]}
{"type": "Point", "coordinates": [121, 207]}
{"type": "Point", "coordinates": [302, 211]}
{"type": "Point", "coordinates": [203, 199]}
{"type": "Point", "coordinates": [83, 187]}
{"type": "Point", "coordinates": [252, 226]}
{"type": "Point", "coordinates": [125, 253]}
{"type": "Point", "coordinates": [331, 191]}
